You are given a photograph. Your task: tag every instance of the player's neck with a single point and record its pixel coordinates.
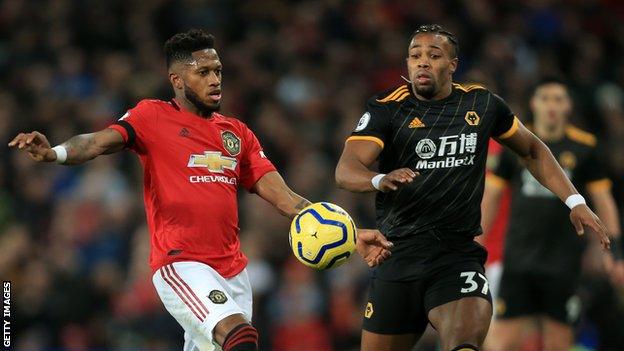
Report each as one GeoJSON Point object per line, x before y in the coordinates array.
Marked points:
{"type": "Point", "coordinates": [190, 107]}
{"type": "Point", "coordinates": [550, 133]}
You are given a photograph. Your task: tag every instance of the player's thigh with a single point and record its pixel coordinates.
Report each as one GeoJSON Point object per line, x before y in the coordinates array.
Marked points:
{"type": "Point", "coordinates": [557, 336]}
{"type": "Point", "coordinates": [394, 312]}
{"type": "Point", "coordinates": [240, 290]}
{"type": "Point", "coordinates": [463, 321]}
{"type": "Point", "coordinates": [507, 334]}
{"type": "Point", "coordinates": [197, 297]}
{"type": "Point", "coordinates": [459, 304]}
{"type": "Point", "coordinates": [383, 342]}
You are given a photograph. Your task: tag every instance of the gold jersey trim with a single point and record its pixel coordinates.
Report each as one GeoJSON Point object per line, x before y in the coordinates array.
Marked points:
{"type": "Point", "coordinates": [397, 95]}
{"type": "Point", "coordinates": [366, 138]}
{"type": "Point", "coordinates": [512, 130]}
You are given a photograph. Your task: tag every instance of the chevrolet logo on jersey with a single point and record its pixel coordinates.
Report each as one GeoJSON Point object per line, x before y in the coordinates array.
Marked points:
{"type": "Point", "coordinates": [213, 160]}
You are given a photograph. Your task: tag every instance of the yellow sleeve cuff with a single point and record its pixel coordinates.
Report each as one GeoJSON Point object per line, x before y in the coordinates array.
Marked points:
{"type": "Point", "coordinates": [367, 138]}
{"type": "Point", "coordinates": [512, 130]}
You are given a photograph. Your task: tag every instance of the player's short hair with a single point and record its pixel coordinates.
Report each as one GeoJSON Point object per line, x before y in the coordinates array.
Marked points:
{"type": "Point", "coordinates": [438, 29]}
{"type": "Point", "coordinates": [180, 46]}
{"type": "Point", "coordinates": [548, 80]}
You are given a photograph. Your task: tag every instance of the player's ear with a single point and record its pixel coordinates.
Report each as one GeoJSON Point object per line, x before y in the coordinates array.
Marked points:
{"type": "Point", "coordinates": [453, 65]}
{"type": "Point", "coordinates": [176, 80]}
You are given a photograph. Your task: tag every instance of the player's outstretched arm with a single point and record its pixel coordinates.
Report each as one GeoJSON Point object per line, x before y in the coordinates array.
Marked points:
{"type": "Point", "coordinates": [272, 188]}
{"type": "Point", "coordinates": [371, 244]}
{"type": "Point", "coordinates": [353, 173]}
{"type": "Point", "coordinates": [538, 159]}
{"type": "Point", "coordinates": [76, 150]}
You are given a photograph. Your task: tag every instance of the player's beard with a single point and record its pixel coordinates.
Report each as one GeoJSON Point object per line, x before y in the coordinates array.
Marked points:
{"type": "Point", "coordinates": [427, 91]}
{"type": "Point", "coordinates": [203, 108]}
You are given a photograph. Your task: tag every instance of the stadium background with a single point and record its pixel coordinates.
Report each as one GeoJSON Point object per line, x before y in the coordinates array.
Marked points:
{"type": "Point", "coordinates": [73, 239]}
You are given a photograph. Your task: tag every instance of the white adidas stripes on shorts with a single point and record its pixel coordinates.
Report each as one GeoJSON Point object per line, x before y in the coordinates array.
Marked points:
{"type": "Point", "coordinates": [198, 298]}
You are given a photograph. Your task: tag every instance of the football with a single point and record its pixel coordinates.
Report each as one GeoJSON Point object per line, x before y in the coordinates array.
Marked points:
{"type": "Point", "coordinates": [322, 236]}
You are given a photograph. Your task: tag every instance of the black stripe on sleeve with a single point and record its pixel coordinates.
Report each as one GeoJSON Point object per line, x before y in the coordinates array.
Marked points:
{"type": "Point", "coordinates": [131, 133]}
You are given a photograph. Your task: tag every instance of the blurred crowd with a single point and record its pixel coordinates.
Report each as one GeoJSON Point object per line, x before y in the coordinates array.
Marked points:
{"type": "Point", "coordinates": [73, 240]}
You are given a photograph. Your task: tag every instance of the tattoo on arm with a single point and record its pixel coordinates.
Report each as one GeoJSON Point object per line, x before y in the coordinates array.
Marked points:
{"type": "Point", "coordinates": [84, 147]}
{"type": "Point", "coordinates": [79, 148]}
{"type": "Point", "coordinates": [302, 204]}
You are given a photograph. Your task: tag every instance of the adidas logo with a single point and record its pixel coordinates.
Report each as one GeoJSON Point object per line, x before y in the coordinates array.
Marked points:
{"type": "Point", "coordinates": [416, 123]}
{"type": "Point", "coordinates": [184, 132]}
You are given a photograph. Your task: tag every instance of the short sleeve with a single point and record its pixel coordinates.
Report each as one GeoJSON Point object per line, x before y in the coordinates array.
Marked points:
{"type": "Point", "coordinates": [254, 163]}
{"type": "Point", "coordinates": [505, 122]}
{"type": "Point", "coordinates": [374, 125]}
{"type": "Point", "coordinates": [592, 173]}
{"type": "Point", "coordinates": [134, 124]}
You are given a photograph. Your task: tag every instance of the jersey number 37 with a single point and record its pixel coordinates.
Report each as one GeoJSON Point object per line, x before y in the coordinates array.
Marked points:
{"type": "Point", "coordinates": [470, 284]}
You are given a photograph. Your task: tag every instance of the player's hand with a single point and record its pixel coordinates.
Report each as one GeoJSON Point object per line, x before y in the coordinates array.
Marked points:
{"type": "Point", "coordinates": [372, 246]}
{"type": "Point", "coordinates": [36, 144]}
{"type": "Point", "coordinates": [396, 178]}
{"type": "Point", "coordinates": [582, 216]}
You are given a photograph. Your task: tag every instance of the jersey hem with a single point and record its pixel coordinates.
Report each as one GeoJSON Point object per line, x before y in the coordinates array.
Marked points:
{"type": "Point", "coordinates": [230, 274]}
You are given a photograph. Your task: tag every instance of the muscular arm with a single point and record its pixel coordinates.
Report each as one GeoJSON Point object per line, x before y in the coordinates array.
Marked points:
{"type": "Point", "coordinates": [80, 148]}
{"type": "Point", "coordinates": [538, 159]}
{"type": "Point", "coordinates": [353, 173]}
{"type": "Point", "coordinates": [85, 147]}
{"type": "Point", "coordinates": [272, 188]}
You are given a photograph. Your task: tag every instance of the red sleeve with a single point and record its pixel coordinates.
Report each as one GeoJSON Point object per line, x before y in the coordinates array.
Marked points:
{"type": "Point", "coordinates": [133, 126]}
{"type": "Point", "coordinates": [254, 163]}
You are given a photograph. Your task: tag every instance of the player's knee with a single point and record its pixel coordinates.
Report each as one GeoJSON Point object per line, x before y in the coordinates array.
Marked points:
{"type": "Point", "coordinates": [243, 337]}
{"type": "Point", "coordinates": [462, 338]}
{"type": "Point", "coordinates": [554, 343]}
{"type": "Point", "coordinates": [465, 347]}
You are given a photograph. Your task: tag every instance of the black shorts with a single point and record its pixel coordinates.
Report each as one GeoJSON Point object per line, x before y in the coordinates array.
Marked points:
{"type": "Point", "coordinates": [401, 306]}
{"type": "Point", "coordinates": [527, 293]}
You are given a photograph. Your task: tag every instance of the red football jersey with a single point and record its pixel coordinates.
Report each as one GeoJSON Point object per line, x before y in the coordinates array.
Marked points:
{"type": "Point", "coordinates": [192, 169]}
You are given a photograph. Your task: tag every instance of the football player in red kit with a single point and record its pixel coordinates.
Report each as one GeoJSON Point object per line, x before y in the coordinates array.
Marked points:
{"type": "Point", "coordinates": [194, 160]}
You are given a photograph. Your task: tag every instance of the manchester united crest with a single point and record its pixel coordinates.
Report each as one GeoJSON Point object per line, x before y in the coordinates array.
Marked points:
{"type": "Point", "coordinates": [231, 142]}
{"type": "Point", "coordinates": [218, 297]}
